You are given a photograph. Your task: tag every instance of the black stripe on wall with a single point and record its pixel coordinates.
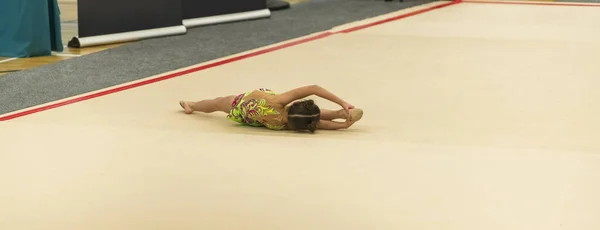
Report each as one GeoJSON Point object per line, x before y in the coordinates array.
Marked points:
{"type": "Point", "coordinates": [206, 8]}
{"type": "Point", "coordinates": [101, 17]}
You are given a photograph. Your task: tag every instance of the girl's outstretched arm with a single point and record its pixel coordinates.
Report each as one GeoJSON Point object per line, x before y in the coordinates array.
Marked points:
{"type": "Point", "coordinates": [305, 91]}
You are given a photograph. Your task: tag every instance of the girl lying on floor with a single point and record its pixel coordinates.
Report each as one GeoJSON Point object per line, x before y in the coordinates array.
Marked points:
{"type": "Point", "coordinates": [286, 111]}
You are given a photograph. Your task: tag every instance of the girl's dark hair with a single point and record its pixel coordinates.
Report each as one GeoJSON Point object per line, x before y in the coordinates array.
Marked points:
{"type": "Point", "coordinates": [304, 115]}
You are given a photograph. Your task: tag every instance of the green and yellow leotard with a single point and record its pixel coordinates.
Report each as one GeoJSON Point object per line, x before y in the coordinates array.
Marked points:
{"type": "Point", "coordinates": [257, 109]}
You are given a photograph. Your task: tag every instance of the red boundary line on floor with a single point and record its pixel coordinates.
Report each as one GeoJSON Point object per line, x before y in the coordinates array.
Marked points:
{"type": "Point", "coordinates": [532, 3]}
{"type": "Point", "coordinates": [219, 63]}
{"type": "Point", "coordinates": [399, 17]}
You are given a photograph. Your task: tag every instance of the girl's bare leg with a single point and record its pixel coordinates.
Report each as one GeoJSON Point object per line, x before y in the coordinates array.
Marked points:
{"type": "Point", "coordinates": [356, 115]}
{"type": "Point", "coordinates": [222, 104]}
{"type": "Point", "coordinates": [331, 115]}
{"type": "Point", "coordinates": [332, 125]}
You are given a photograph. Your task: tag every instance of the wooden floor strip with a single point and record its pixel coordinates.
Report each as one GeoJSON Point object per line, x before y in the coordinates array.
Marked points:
{"type": "Point", "coordinates": [27, 63]}
{"type": "Point", "coordinates": [3, 59]}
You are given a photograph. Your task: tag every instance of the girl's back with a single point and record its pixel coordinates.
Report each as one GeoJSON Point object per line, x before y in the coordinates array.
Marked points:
{"type": "Point", "coordinates": [258, 108]}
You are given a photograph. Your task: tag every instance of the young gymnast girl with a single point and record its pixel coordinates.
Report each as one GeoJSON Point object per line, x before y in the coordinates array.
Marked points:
{"type": "Point", "coordinates": [286, 111]}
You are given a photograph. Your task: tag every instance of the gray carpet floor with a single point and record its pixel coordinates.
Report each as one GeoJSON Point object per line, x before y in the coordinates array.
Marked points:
{"type": "Point", "coordinates": [146, 58]}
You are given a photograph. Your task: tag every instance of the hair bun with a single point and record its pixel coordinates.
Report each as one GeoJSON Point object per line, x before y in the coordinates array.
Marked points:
{"type": "Point", "coordinates": [312, 127]}
{"type": "Point", "coordinates": [304, 115]}
{"type": "Point", "coordinates": [309, 104]}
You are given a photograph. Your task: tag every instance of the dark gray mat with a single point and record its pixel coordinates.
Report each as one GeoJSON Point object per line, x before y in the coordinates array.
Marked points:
{"type": "Point", "coordinates": [151, 57]}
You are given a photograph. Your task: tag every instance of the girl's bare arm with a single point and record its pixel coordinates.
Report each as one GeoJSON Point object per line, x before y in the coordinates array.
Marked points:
{"type": "Point", "coordinates": [305, 91]}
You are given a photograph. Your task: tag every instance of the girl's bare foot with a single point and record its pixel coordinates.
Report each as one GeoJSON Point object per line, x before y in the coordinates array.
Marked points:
{"type": "Point", "coordinates": [355, 115]}
{"type": "Point", "coordinates": [186, 107]}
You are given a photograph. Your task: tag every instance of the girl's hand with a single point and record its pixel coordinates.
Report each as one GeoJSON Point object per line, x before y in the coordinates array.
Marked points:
{"type": "Point", "coordinates": [347, 107]}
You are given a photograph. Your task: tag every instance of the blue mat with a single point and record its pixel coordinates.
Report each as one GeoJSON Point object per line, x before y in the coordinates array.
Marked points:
{"type": "Point", "coordinates": [29, 28]}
